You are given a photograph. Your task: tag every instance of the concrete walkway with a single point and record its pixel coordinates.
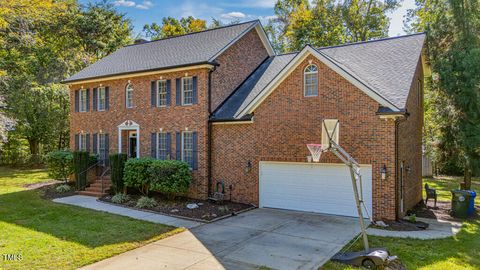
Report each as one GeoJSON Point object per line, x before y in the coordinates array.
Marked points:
{"type": "Point", "coordinates": [437, 229]}
{"type": "Point", "coordinates": [93, 203]}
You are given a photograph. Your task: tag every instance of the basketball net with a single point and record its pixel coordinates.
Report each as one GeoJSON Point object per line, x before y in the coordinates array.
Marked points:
{"type": "Point", "coordinates": [315, 151]}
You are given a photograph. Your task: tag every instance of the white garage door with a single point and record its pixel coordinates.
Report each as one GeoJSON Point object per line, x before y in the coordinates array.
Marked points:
{"type": "Point", "coordinates": [321, 188]}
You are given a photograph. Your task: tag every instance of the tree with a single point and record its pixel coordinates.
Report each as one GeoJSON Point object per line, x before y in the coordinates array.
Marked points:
{"type": "Point", "coordinates": [172, 27]}
{"type": "Point", "coordinates": [328, 22]}
{"type": "Point", "coordinates": [454, 43]}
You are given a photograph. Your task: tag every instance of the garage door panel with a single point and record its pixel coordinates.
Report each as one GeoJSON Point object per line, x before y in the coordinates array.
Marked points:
{"type": "Point", "coordinates": [322, 188]}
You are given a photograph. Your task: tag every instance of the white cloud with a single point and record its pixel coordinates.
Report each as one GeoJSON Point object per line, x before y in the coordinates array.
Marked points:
{"type": "Point", "coordinates": [145, 5]}
{"type": "Point", "coordinates": [253, 3]}
{"type": "Point", "coordinates": [199, 10]}
{"type": "Point", "coordinates": [235, 15]}
{"type": "Point", "coordinates": [128, 3]}
{"type": "Point", "coordinates": [124, 3]}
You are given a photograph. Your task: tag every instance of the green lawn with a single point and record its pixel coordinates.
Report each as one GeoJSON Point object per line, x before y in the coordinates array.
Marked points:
{"type": "Point", "coordinates": [454, 253]}
{"type": "Point", "coordinates": [55, 236]}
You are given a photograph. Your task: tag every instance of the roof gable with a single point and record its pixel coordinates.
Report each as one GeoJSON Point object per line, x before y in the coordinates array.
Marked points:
{"type": "Point", "coordinates": [190, 49]}
{"type": "Point", "coordinates": [383, 69]}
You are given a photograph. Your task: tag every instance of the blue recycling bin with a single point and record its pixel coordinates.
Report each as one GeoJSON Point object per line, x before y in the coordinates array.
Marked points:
{"type": "Point", "coordinates": [471, 204]}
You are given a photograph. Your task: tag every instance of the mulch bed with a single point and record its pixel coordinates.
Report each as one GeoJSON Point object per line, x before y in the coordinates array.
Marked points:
{"type": "Point", "coordinates": [442, 211]}
{"type": "Point", "coordinates": [206, 211]}
{"type": "Point", "coordinates": [48, 190]}
{"type": "Point", "coordinates": [402, 225]}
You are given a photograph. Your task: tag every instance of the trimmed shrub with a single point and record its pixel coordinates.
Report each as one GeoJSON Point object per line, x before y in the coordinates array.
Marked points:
{"type": "Point", "coordinates": [63, 188]}
{"type": "Point", "coordinates": [137, 174]}
{"type": "Point", "coordinates": [146, 202]}
{"type": "Point", "coordinates": [170, 177]}
{"type": "Point", "coordinates": [117, 166]}
{"type": "Point", "coordinates": [120, 198]}
{"type": "Point", "coordinates": [60, 164]}
{"type": "Point", "coordinates": [81, 160]}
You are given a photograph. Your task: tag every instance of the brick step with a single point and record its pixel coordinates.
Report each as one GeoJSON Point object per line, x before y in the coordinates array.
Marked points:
{"type": "Point", "coordinates": [90, 193]}
{"type": "Point", "coordinates": [96, 189]}
{"type": "Point", "coordinates": [99, 184]}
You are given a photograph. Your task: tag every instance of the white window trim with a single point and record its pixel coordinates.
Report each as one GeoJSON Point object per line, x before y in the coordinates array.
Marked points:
{"type": "Point", "coordinates": [158, 93]}
{"type": "Point", "coordinates": [183, 146]}
{"type": "Point", "coordinates": [81, 145]}
{"type": "Point", "coordinates": [305, 73]}
{"type": "Point", "coordinates": [80, 103]}
{"type": "Point", "coordinates": [158, 145]}
{"type": "Point", "coordinates": [183, 91]}
{"type": "Point", "coordinates": [104, 100]}
{"type": "Point", "coordinates": [127, 89]}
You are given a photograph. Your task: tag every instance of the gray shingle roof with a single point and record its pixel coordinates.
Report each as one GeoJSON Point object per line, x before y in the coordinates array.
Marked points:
{"type": "Point", "coordinates": [386, 66]}
{"type": "Point", "coordinates": [183, 50]}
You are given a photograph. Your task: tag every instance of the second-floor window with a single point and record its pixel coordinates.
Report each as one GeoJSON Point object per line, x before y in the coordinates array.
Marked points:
{"type": "Point", "coordinates": [101, 98]}
{"type": "Point", "coordinates": [310, 81]}
{"type": "Point", "coordinates": [83, 100]}
{"type": "Point", "coordinates": [187, 91]}
{"type": "Point", "coordinates": [129, 96]}
{"type": "Point", "coordinates": [162, 93]}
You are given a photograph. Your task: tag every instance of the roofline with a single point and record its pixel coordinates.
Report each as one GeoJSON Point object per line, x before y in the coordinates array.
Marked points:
{"type": "Point", "coordinates": [261, 33]}
{"type": "Point", "coordinates": [203, 64]}
{"type": "Point", "coordinates": [371, 41]}
{"type": "Point", "coordinates": [252, 105]}
{"type": "Point", "coordinates": [248, 119]}
{"type": "Point", "coordinates": [193, 33]}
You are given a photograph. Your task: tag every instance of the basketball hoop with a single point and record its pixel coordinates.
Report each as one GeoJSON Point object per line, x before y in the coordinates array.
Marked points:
{"type": "Point", "coordinates": [315, 150]}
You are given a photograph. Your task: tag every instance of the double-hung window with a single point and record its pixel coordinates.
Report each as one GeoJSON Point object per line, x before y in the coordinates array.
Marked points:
{"type": "Point", "coordinates": [82, 142]}
{"type": "Point", "coordinates": [187, 90]}
{"type": "Point", "coordinates": [129, 96]}
{"type": "Point", "coordinates": [83, 100]}
{"type": "Point", "coordinates": [187, 147]}
{"type": "Point", "coordinates": [310, 81]}
{"type": "Point", "coordinates": [101, 99]}
{"type": "Point", "coordinates": [162, 146]}
{"type": "Point", "coordinates": [102, 147]}
{"type": "Point", "coordinates": [162, 93]}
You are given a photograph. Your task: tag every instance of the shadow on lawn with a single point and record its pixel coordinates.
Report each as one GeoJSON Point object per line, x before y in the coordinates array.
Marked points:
{"type": "Point", "coordinates": [74, 224]}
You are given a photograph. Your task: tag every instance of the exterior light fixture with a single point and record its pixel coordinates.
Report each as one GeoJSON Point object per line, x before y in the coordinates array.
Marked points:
{"type": "Point", "coordinates": [383, 172]}
{"type": "Point", "coordinates": [248, 167]}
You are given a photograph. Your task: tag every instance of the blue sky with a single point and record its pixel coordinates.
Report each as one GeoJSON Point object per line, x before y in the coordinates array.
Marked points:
{"type": "Point", "coordinates": [143, 12]}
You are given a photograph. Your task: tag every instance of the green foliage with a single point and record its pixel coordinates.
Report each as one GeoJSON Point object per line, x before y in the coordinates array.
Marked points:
{"type": "Point", "coordinates": [146, 202]}
{"type": "Point", "coordinates": [172, 27]}
{"type": "Point", "coordinates": [60, 164]}
{"type": "Point", "coordinates": [63, 188]}
{"type": "Point", "coordinates": [137, 174]}
{"type": "Point", "coordinates": [327, 22]}
{"type": "Point", "coordinates": [117, 166]}
{"type": "Point", "coordinates": [120, 198]}
{"type": "Point", "coordinates": [15, 151]}
{"type": "Point", "coordinates": [81, 161]}
{"type": "Point", "coordinates": [170, 177]}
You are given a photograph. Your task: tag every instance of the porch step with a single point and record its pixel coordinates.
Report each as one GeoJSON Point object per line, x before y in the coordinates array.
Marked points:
{"type": "Point", "coordinates": [106, 184]}
{"type": "Point", "coordinates": [90, 193]}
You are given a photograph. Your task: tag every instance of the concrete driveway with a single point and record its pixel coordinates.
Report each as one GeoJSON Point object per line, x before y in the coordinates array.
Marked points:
{"type": "Point", "coordinates": [277, 239]}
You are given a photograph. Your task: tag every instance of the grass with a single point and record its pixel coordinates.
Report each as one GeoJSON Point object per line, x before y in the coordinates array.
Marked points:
{"type": "Point", "coordinates": [55, 236]}
{"type": "Point", "coordinates": [454, 253]}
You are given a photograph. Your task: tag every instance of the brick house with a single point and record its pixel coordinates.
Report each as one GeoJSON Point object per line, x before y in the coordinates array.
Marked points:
{"type": "Point", "coordinates": [224, 102]}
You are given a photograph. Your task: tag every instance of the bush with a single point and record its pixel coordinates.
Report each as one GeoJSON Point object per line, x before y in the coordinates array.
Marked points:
{"type": "Point", "coordinates": [60, 164]}
{"type": "Point", "coordinates": [117, 165]}
{"type": "Point", "coordinates": [81, 162]}
{"type": "Point", "coordinates": [63, 188]}
{"type": "Point", "coordinates": [136, 174]}
{"type": "Point", "coordinates": [146, 202]}
{"type": "Point", "coordinates": [120, 198]}
{"type": "Point", "coordinates": [170, 177]}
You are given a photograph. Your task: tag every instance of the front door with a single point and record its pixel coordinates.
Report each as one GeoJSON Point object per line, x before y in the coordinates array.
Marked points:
{"type": "Point", "coordinates": [132, 145]}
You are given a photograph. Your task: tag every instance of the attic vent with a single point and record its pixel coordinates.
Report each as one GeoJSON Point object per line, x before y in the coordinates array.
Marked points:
{"type": "Point", "coordinates": [140, 41]}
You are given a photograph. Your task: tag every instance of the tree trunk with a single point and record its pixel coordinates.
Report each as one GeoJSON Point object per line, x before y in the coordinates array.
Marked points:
{"type": "Point", "coordinates": [467, 178]}
{"type": "Point", "coordinates": [34, 146]}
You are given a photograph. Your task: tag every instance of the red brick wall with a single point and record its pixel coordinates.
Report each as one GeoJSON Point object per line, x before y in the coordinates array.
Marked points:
{"type": "Point", "coordinates": [286, 121]}
{"type": "Point", "coordinates": [236, 63]}
{"type": "Point", "coordinates": [172, 119]}
{"type": "Point", "coordinates": [410, 144]}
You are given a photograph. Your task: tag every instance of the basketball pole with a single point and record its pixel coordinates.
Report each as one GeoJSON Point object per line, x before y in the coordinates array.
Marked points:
{"type": "Point", "coordinates": [349, 161]}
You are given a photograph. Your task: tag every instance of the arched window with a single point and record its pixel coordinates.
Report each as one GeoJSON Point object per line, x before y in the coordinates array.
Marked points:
{"type": "Point", "coordinates": [129, 96]}
{"type": "Point", "coordinates": [310, 81]}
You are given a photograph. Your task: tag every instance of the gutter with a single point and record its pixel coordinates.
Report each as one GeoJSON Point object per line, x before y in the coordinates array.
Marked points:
{"type": "Point", "coordinates": [397, 164]}
{"type": "Point", "coordinates": [67, 81]}
{"type": "Point", "coordinates": [209, 131]}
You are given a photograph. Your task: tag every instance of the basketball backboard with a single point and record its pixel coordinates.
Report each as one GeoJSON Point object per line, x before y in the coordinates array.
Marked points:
{"type": "Point", "coordinates": [330, 129]}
